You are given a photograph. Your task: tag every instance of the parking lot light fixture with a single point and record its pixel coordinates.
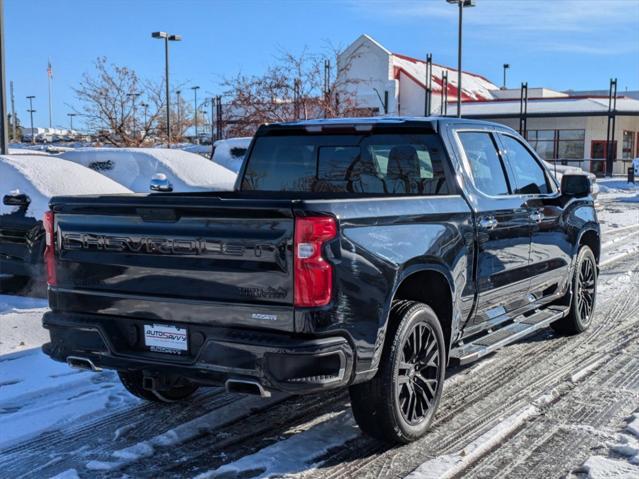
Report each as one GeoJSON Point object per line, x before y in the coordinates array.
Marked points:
{"type": "Point", "coordinates": [461, 4]}
{"type": "Point", "coordinates": [167, 37]}
{"type": "Point", "coordinates": [71, 115]}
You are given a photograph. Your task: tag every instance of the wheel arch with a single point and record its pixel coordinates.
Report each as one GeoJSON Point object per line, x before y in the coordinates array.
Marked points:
{"type": "Point", "coordinates": [431, 284]}
{"type": "Point", "coordinates": [589, 237]}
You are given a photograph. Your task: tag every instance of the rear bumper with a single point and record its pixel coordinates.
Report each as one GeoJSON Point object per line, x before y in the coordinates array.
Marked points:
{"type": "Point", "coordinates": [279, 362]}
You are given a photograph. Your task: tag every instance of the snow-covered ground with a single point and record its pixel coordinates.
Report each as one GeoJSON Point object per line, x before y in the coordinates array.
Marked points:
{"type": "Point", "coordinates": [547, 406]}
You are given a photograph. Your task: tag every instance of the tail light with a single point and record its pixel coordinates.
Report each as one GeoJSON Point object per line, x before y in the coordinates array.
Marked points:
{"type": "Point", "coordinates": [49, 251]}
{"type": "Point", "coordinates": [313, 274]}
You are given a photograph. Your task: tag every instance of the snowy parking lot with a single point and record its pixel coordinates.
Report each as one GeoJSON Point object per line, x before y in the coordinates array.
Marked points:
{"type": "Point", "coordinates": [547, 406]}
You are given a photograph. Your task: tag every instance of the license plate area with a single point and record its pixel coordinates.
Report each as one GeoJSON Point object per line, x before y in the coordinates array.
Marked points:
{"type": "Point", "coordinates": [165, 338]}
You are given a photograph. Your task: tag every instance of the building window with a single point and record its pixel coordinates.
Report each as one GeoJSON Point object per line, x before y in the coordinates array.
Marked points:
{"type": "Point", "coordinates": [570, 144]}
{"type": "Point", "coordinates": [628, 145]}
{"type": "Point", "coordinates": [558, 144]}
{"type": "Point", "coordinates": [543, 141]}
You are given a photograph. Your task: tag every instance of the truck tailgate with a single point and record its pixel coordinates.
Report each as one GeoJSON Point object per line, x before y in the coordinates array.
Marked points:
{"type": "Point", "coordinates": [176, 258]}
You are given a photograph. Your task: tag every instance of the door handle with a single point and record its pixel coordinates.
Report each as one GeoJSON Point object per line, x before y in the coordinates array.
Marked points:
{"type": "Point", "coordinates": [488, 223]}
{"type": "Point", "coordinates": [537, 216]}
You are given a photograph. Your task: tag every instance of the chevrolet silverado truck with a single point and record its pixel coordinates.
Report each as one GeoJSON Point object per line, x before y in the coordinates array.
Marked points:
{"type": "Point", "coordinates": [360, 253]}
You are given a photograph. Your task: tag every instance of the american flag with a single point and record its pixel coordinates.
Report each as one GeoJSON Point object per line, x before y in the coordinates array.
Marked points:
{"type": "Point", "coordinates": [49, 70]}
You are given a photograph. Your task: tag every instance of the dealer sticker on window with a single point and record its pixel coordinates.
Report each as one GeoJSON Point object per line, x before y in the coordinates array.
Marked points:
{"type": "Point", "coordinates": [165, 339]}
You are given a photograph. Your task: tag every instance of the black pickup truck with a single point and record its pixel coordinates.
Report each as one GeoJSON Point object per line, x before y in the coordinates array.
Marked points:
{"type": "Point", "coordinates": [360, 253]}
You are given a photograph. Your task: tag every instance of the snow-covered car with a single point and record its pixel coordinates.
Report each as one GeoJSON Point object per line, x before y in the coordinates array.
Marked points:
{"type": "Point", "coordinates": [230, 153]}
{"type": "Point", "coordinates": [27, 183]}
{"type": "Point", "coordinates": [560, 170]}
{"type": "Point", "coordinates": [139, 168]}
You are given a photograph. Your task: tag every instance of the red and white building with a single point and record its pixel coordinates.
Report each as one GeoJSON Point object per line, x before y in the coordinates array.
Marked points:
{"type": "Point", "coordinates": [570, 127]}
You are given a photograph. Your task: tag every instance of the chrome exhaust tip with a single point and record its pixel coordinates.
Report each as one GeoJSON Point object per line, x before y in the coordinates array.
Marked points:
{"type": "Point", "coordinates": [82, 363]}
{"type": "Point", "coordinates": [246, 386]}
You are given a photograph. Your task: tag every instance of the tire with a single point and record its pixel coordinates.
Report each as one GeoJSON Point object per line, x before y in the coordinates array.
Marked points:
{"type": "Point", "coordinates": [583, 295]}
{"type": "Point", "coordinates": [132, 382]}
{"type": "Point", "coordinates": [398, 404]}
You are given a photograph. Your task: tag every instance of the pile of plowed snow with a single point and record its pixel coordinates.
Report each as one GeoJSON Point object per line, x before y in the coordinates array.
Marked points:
{"type": "Point", "coordinates": [135, 167]}
{"type": "Point", "coordinates": [41, 177]}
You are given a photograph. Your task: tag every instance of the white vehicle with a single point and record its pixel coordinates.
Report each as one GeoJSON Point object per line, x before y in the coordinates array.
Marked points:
{"type": "Point", "coordinates": [155, 169]}
{"type": "Point", "coordinates": [635, 165]}
{"type": "Point", "coordinates": [230, 153]}
{"type": "Point", "coordinates": [560, 170]}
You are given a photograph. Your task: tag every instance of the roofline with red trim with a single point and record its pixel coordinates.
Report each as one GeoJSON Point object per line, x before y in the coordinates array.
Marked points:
{"type": "Point", "coordinates": [417, 60]}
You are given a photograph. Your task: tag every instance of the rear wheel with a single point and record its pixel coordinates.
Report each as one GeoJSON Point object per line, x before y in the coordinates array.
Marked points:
{"type": "Point", "coordinates": [398, 404]}
{"type": "Point", "coordinates": [583, 295]}
{"type": "Point", "coordinates": [133, 382]}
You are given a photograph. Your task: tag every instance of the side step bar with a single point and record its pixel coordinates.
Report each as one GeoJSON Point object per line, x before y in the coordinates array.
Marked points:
{"type": "Point", "coordinates": [521, 327]}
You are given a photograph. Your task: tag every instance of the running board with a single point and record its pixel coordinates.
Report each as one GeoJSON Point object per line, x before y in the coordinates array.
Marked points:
{"type": "Point", "coordinates": [521, 327]}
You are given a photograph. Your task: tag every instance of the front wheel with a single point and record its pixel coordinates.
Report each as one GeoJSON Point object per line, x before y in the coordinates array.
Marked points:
{"type": "Point", "coordinates": [583, 295]}
{"type": "Point", "coordinates": [398, 404]}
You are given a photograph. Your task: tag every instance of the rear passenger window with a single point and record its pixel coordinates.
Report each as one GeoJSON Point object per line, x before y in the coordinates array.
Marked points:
{"type": "Point", "coordinates": [529, 177]}
{"type": "Point", "coordinates": [485, 165]}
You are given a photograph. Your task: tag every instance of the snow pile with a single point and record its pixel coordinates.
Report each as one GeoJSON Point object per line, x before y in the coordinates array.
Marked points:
{"type": "Point", "coordinates": [295, 454]}
{"type": "Point", "coordinates": [614, 185]}
{"type": "Point", "coordinates": [627, 446]}
{"type": "Point", "coordinates": [450, 465]}
{"type": "Point", "coordinates": [42, 177]}
{"type": "Point", "coordinates": [230, 153]}
{"type": "Point", "coordinates": [134, 168]}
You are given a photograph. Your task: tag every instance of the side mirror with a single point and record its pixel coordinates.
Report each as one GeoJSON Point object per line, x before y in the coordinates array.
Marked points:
{"type": "Point", "coordinates": [161, 183]}
{"type": "Point", "coordinates": [575, 185]}
{"type": "Point", "coordinates": [16, 198]}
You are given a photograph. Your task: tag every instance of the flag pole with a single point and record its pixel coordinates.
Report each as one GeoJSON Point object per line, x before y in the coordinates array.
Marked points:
{"type": "Point", "coordinates": [50, 75]}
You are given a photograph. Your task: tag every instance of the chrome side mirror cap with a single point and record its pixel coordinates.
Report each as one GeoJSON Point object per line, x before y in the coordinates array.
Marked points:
{"type": "Point", "coordinates": [161, 183]}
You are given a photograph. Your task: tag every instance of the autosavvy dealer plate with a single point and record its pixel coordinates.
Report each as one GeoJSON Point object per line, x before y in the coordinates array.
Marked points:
{"type": "Point", "coordinates": [166, 339]}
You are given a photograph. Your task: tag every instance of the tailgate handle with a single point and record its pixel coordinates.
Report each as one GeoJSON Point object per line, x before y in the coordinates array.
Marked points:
{"type": "Point", "coordinates": [158, 214]}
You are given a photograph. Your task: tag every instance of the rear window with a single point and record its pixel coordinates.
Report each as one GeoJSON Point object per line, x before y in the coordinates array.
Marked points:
{"type": "Point", "coordinates": [394, 164]}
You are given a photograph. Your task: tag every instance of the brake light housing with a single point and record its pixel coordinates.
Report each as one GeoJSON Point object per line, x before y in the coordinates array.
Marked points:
{"type": "Point", "coordinates": [313, 274]}
{"type": "Point", "coordinates": [49, 251]}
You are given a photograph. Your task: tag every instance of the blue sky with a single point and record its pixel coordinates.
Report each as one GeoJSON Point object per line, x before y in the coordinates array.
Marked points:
{"type": "Point", "coordinates": [560, 44]}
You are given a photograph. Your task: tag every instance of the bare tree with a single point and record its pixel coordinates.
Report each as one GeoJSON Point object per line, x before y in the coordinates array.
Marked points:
{"type": "Point", "coordinates": [296, 87]}
{"type": "Point", "coordinates": [112, 109]}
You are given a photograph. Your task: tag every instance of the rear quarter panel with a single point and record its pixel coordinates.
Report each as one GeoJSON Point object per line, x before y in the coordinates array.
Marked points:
{"type": "Point", "coordinates": [382, 241]}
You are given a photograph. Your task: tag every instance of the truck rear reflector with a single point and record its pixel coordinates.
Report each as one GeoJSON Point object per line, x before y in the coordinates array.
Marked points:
{"type": "Point", "coordinates": [313, 274]}
{"type": "Point", "coordinates": [49, 252]}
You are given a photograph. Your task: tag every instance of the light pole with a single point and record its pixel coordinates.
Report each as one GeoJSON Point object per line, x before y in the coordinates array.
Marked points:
{"type": "Point", "coordinates": [462, 4]}
{"type": "Point", "coordinates": [134, 96]}
{"type": "Point", "coordinates": [4, 135]}
{"type": "Point", "coordinates": [174, 38]}
{"type": "Point", "coordinates": [31, 112]}
{"type": "Point", "coordinates": [71, 115]}
{"type": "Point", "coordinates": [146, 107]}
{"type": "Point", "coordinates": [195, 89]}
{"type": "Point", "coordinates": [506, 67]}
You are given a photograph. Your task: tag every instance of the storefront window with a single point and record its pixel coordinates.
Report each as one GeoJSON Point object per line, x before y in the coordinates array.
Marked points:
{"type": "Point", "coordinates": [628, 145]}
{"type": "Point", "coordinates": [570, 144]}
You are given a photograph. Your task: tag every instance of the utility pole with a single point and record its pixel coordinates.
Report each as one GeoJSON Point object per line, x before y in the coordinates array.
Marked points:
{"type": "Point", "coordinates": [179, 113]}
{"type": "Point", "coordinates": [31, 112]}
{"type": "Point", "coordinates": [4, 134]}
{"type": "Point", "coordinates": [13, 112]}
{"type": "Point", "coordinates": [195, 89]}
